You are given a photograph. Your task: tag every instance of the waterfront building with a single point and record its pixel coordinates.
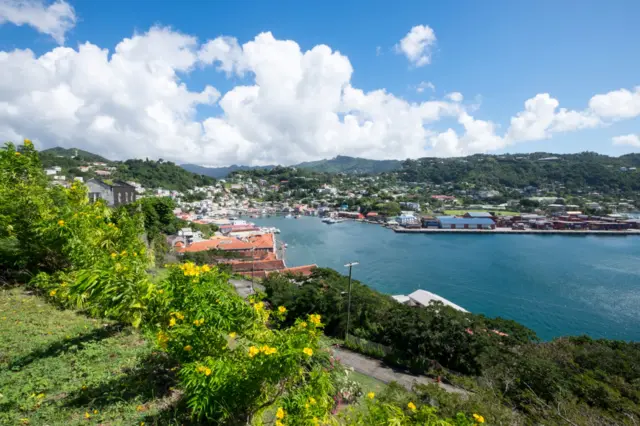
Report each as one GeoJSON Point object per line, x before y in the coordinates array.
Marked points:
{"type": "Point", "coordinates": [450, 222]}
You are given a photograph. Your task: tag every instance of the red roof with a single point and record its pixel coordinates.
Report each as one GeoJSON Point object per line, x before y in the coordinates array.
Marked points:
{"type": "Point", "coordinates": [264, 241]}
{"type": "Point", "coordinates": [260, 265]}
{"type": "Point", "coordinates": [372, 214]}
{"type": "Point", "coordinates": [220, 243]}
{"type": "Point", "coordinates": [305, 270]}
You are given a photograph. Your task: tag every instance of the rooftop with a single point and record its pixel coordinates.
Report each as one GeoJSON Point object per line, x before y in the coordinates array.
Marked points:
{"type": "Point", "coordinates": [424, 298]}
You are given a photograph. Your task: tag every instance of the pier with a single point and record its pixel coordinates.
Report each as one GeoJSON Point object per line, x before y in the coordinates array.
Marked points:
{"type": "Point", "coordinates": [515, 231]}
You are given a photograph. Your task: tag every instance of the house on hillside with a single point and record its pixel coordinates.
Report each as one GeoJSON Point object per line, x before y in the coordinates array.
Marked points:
{"type": "Point", "coordinates": [115, 195]}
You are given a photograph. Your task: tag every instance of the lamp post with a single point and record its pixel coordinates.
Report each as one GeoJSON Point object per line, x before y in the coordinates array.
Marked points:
{"type": "Point", "coordinates": [346, 332]}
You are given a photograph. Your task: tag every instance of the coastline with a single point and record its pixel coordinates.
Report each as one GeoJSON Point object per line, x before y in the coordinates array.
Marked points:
{"type": "Point", "coordinates": [515, 231]}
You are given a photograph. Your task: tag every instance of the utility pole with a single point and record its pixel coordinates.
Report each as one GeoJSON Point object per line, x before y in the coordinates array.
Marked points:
{"type": "Point", "coordinates": [253, 266]}
{"type": "Point", "coordinates": [346, 332]}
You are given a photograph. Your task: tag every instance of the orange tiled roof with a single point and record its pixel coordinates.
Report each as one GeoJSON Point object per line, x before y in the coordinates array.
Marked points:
{"type": "Point", "coordinates": [264, 241]}
{"type": "Point", "coordinates": [217, 243]}
{"type": "Point", "coordinates": [305, 270]}
{"type": "Point", "coordinates": [264, 265]}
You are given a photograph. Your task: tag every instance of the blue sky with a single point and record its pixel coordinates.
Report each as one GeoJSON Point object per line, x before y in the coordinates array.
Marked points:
{"type": "Point", "coordinates": [497, 54]}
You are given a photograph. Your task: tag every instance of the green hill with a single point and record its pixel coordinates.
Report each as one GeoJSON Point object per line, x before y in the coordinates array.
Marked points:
{"type": "Point", "coordinates": [339, 164]}
{"type": "Point", "coordinates": [74, 153]}
{"type": "Point", "coordinates": [149, 173]}
{"type": "Point", "coordinates": [574, 171]}
{"type": "Point", "coordinates": [352, 165]}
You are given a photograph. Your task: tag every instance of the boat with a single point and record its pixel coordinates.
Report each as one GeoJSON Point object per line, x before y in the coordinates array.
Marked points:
{"type": "Point", "coordinates": [288, 216]}
{"type": "Point", "coordinates": [331, 221]}
{"type": "Point", "coordinates": [296, 217]}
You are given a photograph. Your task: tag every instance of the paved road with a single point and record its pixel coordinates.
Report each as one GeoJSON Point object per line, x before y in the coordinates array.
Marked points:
{"type": "Point", "coordinates": [245, 288]}
{"type": "Point", "coordinates": [376, 369]}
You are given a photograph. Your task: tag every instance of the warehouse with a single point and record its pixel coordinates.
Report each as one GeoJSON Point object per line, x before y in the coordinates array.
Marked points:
{"type": "Point", "coordinates": [450, 222]}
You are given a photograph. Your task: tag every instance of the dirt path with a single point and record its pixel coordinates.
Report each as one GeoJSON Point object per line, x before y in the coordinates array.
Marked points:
{"type": "Point", "coordinates": [376, 369]}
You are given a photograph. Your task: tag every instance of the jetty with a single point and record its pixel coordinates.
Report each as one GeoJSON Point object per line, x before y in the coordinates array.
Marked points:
{"type": "Point", "coordinates": [626, 232]}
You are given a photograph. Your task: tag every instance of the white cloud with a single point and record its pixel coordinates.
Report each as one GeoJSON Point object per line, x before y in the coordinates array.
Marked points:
{"type": "Point", "coordinates": [417, 45]}
{"type": "Point", "coordinates": [455, 96]}
{"type": "Point", "coordinates": [617, 104]}
{"type": "Point", "coordinates": [631, 140]}
{"type": "Point", "coordinates": [425, 85]}
{"type": "Point", "coordinates": [54, 19]}
{"type": "Point", "coordinates": [294, 105]}
{"type": "Point", "coordinates": [541, 118]}
{"type": "Point", "coordinates": [378, 50]}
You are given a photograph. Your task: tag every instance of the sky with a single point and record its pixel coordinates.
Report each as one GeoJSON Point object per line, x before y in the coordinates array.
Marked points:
{"type": "Point", "coordinates": [252, 82]}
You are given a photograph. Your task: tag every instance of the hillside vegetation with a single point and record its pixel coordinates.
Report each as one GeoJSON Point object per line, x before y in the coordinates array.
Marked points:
{"type": "Point", "coordinates": [149, 173]}
{"type": "Point", "coordinates": [570, 380]}
{"type": "Point", "coordinates": [236, 362]}
{"type": "Point", "coordinates": [575, 171]}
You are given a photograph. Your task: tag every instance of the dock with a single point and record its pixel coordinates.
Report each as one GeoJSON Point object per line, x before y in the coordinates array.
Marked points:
{"type": "Point", "coordinates": [515, 231]}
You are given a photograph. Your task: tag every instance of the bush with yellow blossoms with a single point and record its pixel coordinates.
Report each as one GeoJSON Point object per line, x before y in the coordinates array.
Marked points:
{"type": "Point", "coordinates": [234, 365]}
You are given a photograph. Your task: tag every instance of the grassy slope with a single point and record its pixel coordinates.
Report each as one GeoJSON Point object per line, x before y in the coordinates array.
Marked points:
{"type": "Point", "coordinates": [58, 366]}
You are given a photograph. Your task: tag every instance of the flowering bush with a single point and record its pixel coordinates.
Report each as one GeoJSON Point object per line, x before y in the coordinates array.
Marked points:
{"type": "Point", "coordinates": [234, 364]}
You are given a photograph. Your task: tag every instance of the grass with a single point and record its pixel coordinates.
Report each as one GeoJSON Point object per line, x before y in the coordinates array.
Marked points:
{"type": "Point", "coordinates": [497, 212]}
{"type": "Point", "coordinates": [61, 368]}
{"type": "Point", "coordinates": [369, 384]}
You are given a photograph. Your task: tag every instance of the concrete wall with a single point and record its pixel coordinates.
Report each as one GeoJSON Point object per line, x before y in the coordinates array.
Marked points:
{"type": "Point", "coordinates": [97, 190]}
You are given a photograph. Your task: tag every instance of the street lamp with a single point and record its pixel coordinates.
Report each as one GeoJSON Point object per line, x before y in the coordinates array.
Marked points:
{"type": "Point", "coordinates": [346, 332]}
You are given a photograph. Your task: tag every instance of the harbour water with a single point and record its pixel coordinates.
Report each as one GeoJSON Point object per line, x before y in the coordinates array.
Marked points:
{"type": "Point", "coordinates": [555, 284]}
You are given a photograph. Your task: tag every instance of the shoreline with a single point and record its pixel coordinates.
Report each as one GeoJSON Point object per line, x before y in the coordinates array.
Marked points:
{"type": "Point", "coordinates": [515, 231]}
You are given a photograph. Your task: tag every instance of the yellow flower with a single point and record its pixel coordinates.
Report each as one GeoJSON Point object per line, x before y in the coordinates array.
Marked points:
{"type": "Point", "coordinates": [40, 396]}
{"type": "Point", "coordinates": [161, 291]}
{"type": "Point", "coordinates": [179, 315]}
{"type": "Point", "coordinates": [280, 413]}
{"type": "Point", "coordinates": [17, 153]}
{"type": "Point", "coordinates": [315, 318]}
{"type": "Point", "coordinates": [303, 324]}
{"type": "Point", "coordinates": [279, 423]}
{"type": "Point", "coordinates": [140, 408]}
{"type": "Point", "coordinates": [199, 322]}
{"type": "Point", "coordinates": [123, 253]}
{"type": "Point", "coordinates": [232, 335]}
{"type": "Point", "coordinates": [95, 411]}
{"type": "Point", "coordinates": [135, 254]}
{"type": "Point", "coordinates": [113, 255]}
{"type": "Point", "coordinates": [28, 142]}
{"type": "Point", "coordinates": [188, 348]}
{"type": "Point", "coordinates": [308, 351]}
{"type": "Point", "coordinates": [312, 401]}
{"type": "Point", "coordinates": [371, 395]}
{"type": "Point", "coordinates": [282, 309]}
{"type": "Point", "coordinates": [253, 351]}
{"type": "Point", "coordinates": [61, 222]}
{"type": "Point", "coordinates": [63, 284]}
{"type": "Point", "coordinates": [315, 421]}
{"type": "Point", "coordinates": [172, 322]}
{"type": "Point", "coordinates": [207, 371]}
{"type": "Point", "coordinates": [52, 293]}
{"type": "Point", "coordinates": [411, 406]}
{"type": "Point", "coordinates": [206, 268]}
{"type": "Point", "coordinates": [478, 418]}
{"type": "Point", "coordinates": [259, 306]}
{"type": "Point", "coordinates": [87, 415]}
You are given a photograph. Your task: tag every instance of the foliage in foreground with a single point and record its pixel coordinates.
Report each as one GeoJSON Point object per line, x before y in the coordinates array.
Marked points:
{"type": "Point", "coordinates": [234, 365]}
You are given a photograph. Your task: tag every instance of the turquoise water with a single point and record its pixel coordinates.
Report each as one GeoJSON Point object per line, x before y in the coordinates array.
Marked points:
{"type": "Point", "coordinates": [556, 285]}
